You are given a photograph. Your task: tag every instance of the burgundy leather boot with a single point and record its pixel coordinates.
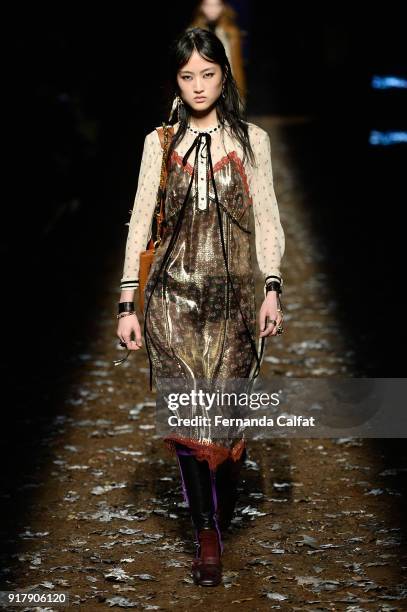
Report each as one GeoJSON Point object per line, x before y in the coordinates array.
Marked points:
{"type": "Point", "coordinates": [198, 483]}
{"type": "Point", "coordinates": [207, 566]}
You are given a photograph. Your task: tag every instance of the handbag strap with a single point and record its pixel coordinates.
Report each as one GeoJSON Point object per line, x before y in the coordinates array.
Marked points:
{"type": "Point", "coordinates": [164, 133]}
{"type": "Point", "coordinates": [159, 214]}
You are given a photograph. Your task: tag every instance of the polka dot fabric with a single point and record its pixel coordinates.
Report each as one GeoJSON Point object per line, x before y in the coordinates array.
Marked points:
{"type": "Point", "coordinates": [270, 238]}
{"type": "Point", "coordinates": [143, 209]}
{"type": "Point", "coordinates": [269, 234]}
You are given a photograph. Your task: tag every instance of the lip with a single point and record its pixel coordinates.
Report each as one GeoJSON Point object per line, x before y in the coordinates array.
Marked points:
{"type": "Point", "coordinates": [200, 98]}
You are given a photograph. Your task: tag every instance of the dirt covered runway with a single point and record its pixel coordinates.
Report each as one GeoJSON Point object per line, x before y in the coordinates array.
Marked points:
{"type": "Point", "coordinates": [319, 524]}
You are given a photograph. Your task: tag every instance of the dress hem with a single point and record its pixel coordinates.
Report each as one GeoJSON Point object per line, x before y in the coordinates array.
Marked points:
{"type": "Point", "coordinates": [213, 453]}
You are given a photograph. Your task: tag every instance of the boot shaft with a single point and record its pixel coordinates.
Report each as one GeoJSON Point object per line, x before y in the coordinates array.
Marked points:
{"type": "Point", "coordinates": [199, 489]}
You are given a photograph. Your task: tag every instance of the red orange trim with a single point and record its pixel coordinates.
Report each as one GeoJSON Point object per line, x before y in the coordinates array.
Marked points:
{"type": "Point", "coordinates": [232, 156]}
{"type": "Point", "coordinates": [242, 172]}
{"type": "Point", "coordinates": [214, 454]}
{"type": "Point", "coordinates": [178, 159]}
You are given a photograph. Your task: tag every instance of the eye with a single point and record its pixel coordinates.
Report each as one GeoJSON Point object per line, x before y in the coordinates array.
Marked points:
{"type": "Point", "coordinates": [186, 77]}
{"type": "Point", "coordinates": [209, 74]}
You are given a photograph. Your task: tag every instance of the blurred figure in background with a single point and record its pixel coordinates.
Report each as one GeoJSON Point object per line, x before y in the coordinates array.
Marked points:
{"type": "Point", "coordinates": [220, 18]}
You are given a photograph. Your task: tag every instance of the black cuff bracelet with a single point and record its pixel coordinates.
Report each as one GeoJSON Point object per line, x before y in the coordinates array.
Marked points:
{"type": "Point", "coordinates": [272, 276]}
{"type": "Point", "coordinates": [126, 306]}
{"type": "Point", "coordinates": [273, 286]}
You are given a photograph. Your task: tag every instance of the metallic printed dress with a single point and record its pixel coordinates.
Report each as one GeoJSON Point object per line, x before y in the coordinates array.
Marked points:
{"type": "Point", "coordinates": [200, 315]}
{"type": "Point", "coordinates": [199, 305]}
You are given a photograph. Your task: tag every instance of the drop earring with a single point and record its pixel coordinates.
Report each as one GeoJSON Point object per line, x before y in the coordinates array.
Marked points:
{"type": "Point", "coordinates": [174, 107]}
{"type": "Point", "coordinates": [179, 106]}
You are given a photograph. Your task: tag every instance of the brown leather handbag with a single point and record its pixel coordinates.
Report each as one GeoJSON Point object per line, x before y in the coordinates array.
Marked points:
{"type": "Point", "coordinates": [157, 230]}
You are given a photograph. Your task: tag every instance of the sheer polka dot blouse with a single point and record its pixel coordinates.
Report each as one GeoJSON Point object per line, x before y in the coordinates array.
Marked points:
{"type": "Point", "coordinates": [269, 234]}
{"type": "Point", "coordinates": [270, 238]}
{"type": "Point", "coordinates": [143, 209]}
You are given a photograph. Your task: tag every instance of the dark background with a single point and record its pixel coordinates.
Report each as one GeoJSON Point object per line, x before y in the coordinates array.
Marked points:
{"type": "Point", "coordinates": [84, 91]}
{"type": "Point", "coordinates": [86, 88]}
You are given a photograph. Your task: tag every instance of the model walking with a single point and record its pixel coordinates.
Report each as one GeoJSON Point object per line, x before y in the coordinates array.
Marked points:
{"type": "Point", "coordinates": [221, 19]}
{"type": "Point", "coordinates": [199, 306]}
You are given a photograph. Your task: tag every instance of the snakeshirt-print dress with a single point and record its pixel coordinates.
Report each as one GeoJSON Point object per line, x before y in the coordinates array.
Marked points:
{"type": "Point", "coordinates": [199, 302]}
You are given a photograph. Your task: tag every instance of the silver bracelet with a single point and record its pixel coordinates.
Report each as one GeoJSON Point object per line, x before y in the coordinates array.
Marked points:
{"type": "Point", "coordinates": [125, 314]}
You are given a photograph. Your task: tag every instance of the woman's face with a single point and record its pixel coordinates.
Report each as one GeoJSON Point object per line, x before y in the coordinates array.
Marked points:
{"type": "Point", "coordinates": [212, 9]}
{"type": "Point", "coordinates": [200, 82]}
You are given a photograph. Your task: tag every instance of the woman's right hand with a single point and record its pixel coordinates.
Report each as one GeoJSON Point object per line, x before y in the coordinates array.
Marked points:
{"type": "Point", "coordinates": [126, 326]}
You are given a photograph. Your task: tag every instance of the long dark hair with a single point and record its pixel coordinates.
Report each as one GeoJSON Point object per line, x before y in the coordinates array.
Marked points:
{"type": "Point", "coordinates": [229, 105]}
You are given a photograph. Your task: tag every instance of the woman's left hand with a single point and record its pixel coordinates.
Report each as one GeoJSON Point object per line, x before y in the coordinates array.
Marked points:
{"type": "Point", "coordinates": [269, 309]}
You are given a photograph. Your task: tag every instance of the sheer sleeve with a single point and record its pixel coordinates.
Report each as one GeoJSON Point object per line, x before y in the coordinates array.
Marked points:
{"type": "Point", "coordinates": [143, 210]}
{"type": "Point", "coordinates": [269, 234]}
